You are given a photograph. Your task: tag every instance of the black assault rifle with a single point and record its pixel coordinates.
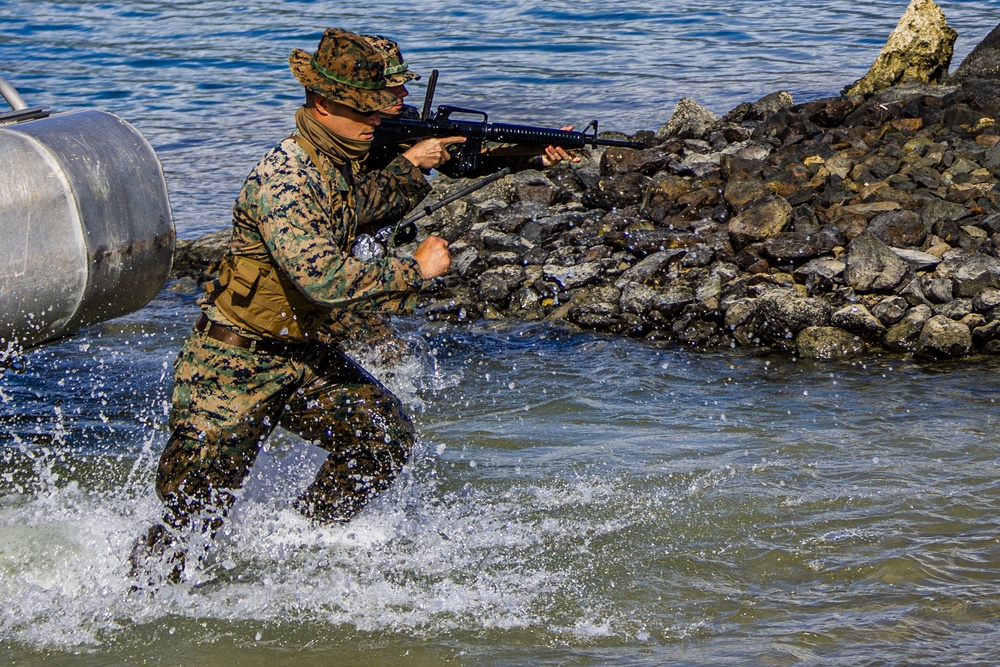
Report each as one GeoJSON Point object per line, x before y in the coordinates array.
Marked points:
{"type": "Point", "coordinates": [466, 157]}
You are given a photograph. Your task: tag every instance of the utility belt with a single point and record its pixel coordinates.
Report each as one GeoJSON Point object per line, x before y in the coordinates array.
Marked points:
{"type": "Point", "coordinates": [230, 337]}
{"type": "Point", "coordinates": [327, 356]}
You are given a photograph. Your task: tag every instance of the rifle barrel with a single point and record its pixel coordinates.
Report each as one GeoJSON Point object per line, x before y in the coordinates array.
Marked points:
{"type": "Point", "coordinates": [395, 130]}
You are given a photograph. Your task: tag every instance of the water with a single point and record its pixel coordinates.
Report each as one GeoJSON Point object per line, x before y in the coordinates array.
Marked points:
{"type": "Point", "coordinates": [574, 499]}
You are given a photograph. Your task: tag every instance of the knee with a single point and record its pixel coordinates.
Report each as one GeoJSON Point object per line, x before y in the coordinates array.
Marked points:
{"type": "Point", "coordinates": [176, 463]}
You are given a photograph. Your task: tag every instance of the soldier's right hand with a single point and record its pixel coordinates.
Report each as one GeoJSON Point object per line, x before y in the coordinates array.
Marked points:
{"type": "Point", "coordinates": [431, 153]}
{"type": "Point", "coordinates": [433, 257]}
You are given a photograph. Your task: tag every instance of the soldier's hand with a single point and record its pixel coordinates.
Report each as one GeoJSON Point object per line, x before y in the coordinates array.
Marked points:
{"type": "Point", "coordinates": [556, 154]}
{"type": "Point", "coordinates": [433, 257]}
{"type": "Point", "coordinates": [430, 153]}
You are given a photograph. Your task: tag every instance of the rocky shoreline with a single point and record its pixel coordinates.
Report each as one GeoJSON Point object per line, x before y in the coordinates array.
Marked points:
{"type": "Point", "coordinates": [826, 229]}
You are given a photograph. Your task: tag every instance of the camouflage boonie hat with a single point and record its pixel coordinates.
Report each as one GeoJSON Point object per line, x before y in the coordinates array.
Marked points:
{"type": "Point", "coordinates": [345, 69]}
{"type": "Point", "coordinates": [397, 72]}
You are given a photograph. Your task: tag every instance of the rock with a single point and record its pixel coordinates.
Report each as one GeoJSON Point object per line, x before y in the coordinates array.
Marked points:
{"type": "Point", "coordinates": [902, 336]}
{"type": "Point", "coordinates": [741, 191]}
{"type": "Point", "coordinates": [919, 49]}
{"type": "Point", "coordinates": [542, 229]}
{"type": "Point", "coordinates": [976, 274]}
{"type": "Point", "coordinates": [872, 267]}
{"type": "Point", "coordinates": [890, 310]}
{"type": "Point", "coordinates": [943, 337]}
{"type": "Point", "coordinates": [956, 309]}
{"type": "Point", "coordinates": [827, 268]}
{"type": "Point", "coordinates": [570, 277]}
{"type": "Point", "coordinates": [644, 241]}
{"type": "Point", "coordinates": [650, 266]}
{"type": "Point", "coordinates": [636, 298]}
{"type": "Point", "coordinates": [673, 299]}
{"type": "Point", "coordinates": [770, 104]}
{"type": "Point", "coordinates": [986, 300]}
{"type": "Point", "coordinates": [938, 290]}
{"type": "Point", "coordinates": [690, 120]}
{"type": "Point", "coordinates": [918, 261]}
{"type": "Point", "coordinates": [858, 320]}
{"type": "Point", "coordinates": [596, 309]}
{"type": "Point", "coordinates": [617, 160]}
{"type": "Point", "coordinates": [662, 195]}
{"type": "Point", "coordinates": [761, 220]}
{"type": "Point", "coordinates": [192, 258]}
{"type": "Point", "coordinates": [467, 262]}
{"type": "Point", "coordinates": [497, 241]}
{"type": "Point", "coordinates": [984, 61]}
{"type": "Point", "coordinates": [784, 314]}
{"type": "Point", "coordinates": [498, 283]}
{"type": "Point", "coordinates": [618, 191]}
{"type": "Point", "coordinates": [828, 343]}
{"type": "Point", "coordinates": [937, 210]}
{"type": "Point", "coordinates": [850, 224]}
{"type": "Point", "coordinates": [985, 334]}
{"type": "Point", "coordinates": [739, 312]}
{"type": "Point", "coordinates": [898, 228]}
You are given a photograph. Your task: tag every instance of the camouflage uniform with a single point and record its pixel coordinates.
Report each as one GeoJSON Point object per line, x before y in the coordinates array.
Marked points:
{"type": "Point", "coordinates": [227, 399]}
{"type": "Point", "coordinates": [369, 333]}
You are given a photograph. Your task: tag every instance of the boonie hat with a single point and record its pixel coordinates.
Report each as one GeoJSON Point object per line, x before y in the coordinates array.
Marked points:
{"type": "Point", "coordinates": [397, 72]}
{"type": "Point", "coordinates": [346, 69]}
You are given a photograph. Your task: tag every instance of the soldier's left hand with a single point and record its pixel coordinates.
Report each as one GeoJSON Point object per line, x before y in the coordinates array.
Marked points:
{"type": "Point", "coordinates": [556, 154]}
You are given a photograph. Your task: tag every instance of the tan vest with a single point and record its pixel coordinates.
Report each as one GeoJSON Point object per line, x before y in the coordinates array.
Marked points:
{"type": "Point", "coordinates": [259, 297]}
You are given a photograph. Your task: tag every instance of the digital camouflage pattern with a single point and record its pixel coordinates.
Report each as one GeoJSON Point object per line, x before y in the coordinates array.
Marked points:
{"type": "Point", "coordinates": [228, 399]}
{"type": "Point", "coordinates": [284, 215]}
{"type": "Point", "coordinates": [344, 68]}
{"type": "Point", "coordinates": [397, 72]}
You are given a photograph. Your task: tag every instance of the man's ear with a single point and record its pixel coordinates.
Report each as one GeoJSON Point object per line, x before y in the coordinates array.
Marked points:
{"type": "Point", "coordinates": [321, 109]}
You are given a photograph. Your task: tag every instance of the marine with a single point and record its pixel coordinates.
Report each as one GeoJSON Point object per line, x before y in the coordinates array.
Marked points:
{"type": "Point", "coordinates": [253, 361]}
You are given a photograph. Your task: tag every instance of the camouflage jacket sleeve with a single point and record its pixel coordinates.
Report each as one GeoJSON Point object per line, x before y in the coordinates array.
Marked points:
{"type": "Point", "coordinates": [306, 231]}
{"type": "Point", "coordinates": [391, 192]}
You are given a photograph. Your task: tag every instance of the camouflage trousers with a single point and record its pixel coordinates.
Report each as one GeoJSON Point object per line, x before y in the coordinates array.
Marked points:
{"type": "Point", "coordinates": [226, 402]}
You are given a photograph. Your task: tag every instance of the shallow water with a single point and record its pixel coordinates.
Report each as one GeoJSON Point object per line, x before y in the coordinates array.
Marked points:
{"type": "Point", "coordinates": [575, 499]}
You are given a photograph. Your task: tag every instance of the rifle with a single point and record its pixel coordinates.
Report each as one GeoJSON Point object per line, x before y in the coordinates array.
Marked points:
{"type": "Point", "coordinates": [374, 246]}
{"type": "Point", "coordinates": [466, 158]}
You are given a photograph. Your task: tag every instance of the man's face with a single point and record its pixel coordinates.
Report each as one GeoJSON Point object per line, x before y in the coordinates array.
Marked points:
{"type": "Point", "coordinates": [349, 123]}
{"type": "Point", "coordinates": [400, 92]}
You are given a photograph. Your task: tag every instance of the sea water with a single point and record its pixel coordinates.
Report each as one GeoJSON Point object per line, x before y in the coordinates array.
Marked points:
{"type": "Point", "coordinates": [574, 498]}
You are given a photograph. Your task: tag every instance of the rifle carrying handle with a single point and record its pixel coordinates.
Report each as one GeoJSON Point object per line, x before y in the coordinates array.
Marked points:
{"type": "Point", "coordinates": [444, 113]}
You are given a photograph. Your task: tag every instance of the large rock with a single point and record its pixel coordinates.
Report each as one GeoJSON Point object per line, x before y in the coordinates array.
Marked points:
{"type": "Point", "coordinates": [872, 266]}
{"type": "Point", "coordinates": [827, 343]}
{"type": "Point", "coordinates": [977, 273]}
{"type": "Point", "coordinates": [919, 49]}
{"type": "Point", "coordinates": [984, 61]}
{"type": "Point", "coordinates": [944, 337]}
{"type": "Point", "coordinates": [903, 336]}
{"type": "Point", "coordinates": [858, 320]}
{"type": "Point", "coordinates": [690, 120]}
{"type": "Point", "coordinates": [783, 314]}
{"type": "Point", "coordinates": [498, 283]}
{"type": "Point", "coordinates": [761, 220]}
